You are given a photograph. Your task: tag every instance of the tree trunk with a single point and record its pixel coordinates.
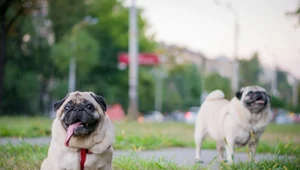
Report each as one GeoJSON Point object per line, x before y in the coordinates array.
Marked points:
{"type": "Point", "coordinates": [2, 57]}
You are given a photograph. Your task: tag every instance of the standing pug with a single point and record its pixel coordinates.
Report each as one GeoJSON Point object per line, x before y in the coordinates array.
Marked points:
{"type": "Point", "coordinates": [238, 122]}
{"type": "Point", "coordinates": [82, 134]}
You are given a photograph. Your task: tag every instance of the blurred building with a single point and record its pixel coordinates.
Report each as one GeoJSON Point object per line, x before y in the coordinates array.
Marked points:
{"type": "Point", "coordinates": [220, 65]}
{"type": "Point", "coordinates": [179, 55]}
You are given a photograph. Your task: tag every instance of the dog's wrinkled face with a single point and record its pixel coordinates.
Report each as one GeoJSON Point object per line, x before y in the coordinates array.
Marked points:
{"type": "Point", "coordinates": [254, 98]}
{"type": "Point", "coordinates": [80, 112]}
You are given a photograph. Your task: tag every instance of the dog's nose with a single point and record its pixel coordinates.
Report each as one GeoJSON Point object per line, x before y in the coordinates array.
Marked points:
{"type": "Point", "coordinates": [77, 109]}
{"type": "Point", "coordinates": [260, 95]}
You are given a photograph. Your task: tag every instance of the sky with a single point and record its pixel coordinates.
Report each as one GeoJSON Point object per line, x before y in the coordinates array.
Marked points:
{"type": "Point", "coordinates": [205, 27]}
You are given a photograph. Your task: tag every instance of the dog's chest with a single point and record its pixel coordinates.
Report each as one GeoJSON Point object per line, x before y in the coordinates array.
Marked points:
{"type": "Point", "coordinates": [243, 137]}
{"type": "Point", "coordinates": [71, 161]}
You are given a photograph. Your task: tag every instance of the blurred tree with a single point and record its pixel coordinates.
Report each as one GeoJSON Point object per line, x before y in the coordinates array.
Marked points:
{"type": "Point", "coordinates": [146, 91]}
{"type": "Point", "coordinates": [82, 46]}
{"type": "Point", "coordinates": [186, 80]}
{"type": "Point", "coordinates": [111, 32]}
{"type": "Point", "coordinates": [27, 58]}
{"type": "Point", "coordinates": [249, 71]}
{"type": "Point", "coordinates": [10, 11]}
{"type": "Point", "coordinates": [172, 99]}
{"type": "Point", "coordinates": [284, 88]}
{"type": "Point", "coordinates": [277, 102]}
{"type": "Point", "coordinates": [65, 14]}
{"type": "Point", "coordinates": [215, 81]}
{"type": "Point", "coordinates": [295, 13]}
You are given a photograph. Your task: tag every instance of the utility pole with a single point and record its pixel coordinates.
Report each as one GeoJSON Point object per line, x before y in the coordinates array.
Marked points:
{"type": "Point", "coordinates": [133, 63]}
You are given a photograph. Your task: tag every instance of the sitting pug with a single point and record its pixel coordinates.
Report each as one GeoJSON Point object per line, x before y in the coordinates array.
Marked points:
{"type": "Point", "coordinates": [82, 134]}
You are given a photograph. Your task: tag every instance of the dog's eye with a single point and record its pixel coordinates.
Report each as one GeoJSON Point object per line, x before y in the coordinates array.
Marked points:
{"type": "Point", "coordinates": [250, 93]}
{"type": "Point", "coordinates": [67, 108]}
{"type": "Point", "coordinates": [90, 107]}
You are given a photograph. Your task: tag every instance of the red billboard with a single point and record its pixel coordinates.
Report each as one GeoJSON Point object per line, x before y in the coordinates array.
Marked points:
{"type": "Point", "coordinates": [147, 59]}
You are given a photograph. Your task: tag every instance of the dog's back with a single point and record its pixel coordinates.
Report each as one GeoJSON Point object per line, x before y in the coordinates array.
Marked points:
{"type": "Point", "coordinates": [213, 102]}
{"type": "Point", "coordinates": [210, 113]}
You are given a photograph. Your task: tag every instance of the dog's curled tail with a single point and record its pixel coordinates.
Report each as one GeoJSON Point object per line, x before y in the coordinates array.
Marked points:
{"type": "Point", "coordinates": [215, 95]}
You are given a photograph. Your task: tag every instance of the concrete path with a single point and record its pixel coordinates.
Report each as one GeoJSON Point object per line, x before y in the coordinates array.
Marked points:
{"type": "Point", "coordinates": [33, 141]}
{"type": "Point", "coordinates": [186, 156]}
{"type": "Point", "coordinates": [180, 156]}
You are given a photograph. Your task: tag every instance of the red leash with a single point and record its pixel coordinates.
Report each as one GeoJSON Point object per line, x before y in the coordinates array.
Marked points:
{"type": "Point", "coordinates": [83, 153]}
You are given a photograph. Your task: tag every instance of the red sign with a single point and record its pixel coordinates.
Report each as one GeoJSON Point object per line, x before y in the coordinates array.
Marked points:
{"type": "Point", "coordinates": [115, 112]}
{"type": "Point", "coordinates": [144, 59]}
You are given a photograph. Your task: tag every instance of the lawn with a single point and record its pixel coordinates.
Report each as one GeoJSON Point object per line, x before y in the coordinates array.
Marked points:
{"type": "Point", "coordinates": [132, 135]}
{"type": "Point", "coordinates": [277, 139]}
{"type": "Point", "coordinates": [29, 157]}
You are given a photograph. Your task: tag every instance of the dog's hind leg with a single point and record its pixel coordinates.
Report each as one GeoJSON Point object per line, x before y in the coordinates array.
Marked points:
{"type": "Point", "coordinates": [200, 133]}
{"type": "Point", "coordinates": [220, 149]}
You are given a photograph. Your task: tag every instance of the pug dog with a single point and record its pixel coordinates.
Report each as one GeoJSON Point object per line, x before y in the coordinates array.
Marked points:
{"type": "Point", "coordinates": [235, 123]}
{"type": "Point", "coordinates": [82, 134]}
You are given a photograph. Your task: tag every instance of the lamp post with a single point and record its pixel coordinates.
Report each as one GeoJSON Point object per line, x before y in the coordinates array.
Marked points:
{"type": "Point", "coordinates": [88, 20]}
{"type": "Point", "coordinates": [235, 75]}
{"type": "Point", "coordinates": [133, 63]}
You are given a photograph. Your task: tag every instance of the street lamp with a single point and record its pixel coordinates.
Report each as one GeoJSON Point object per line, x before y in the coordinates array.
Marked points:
{"type": "Point", "coordinates": [133, 63]}
{"type": "Point", "coordinates": [235, 76]}
{"type": "Point", "coordinates": [88, 20]}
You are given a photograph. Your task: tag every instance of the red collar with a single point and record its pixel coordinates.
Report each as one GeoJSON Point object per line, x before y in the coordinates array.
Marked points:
{"type": "Point", "coordinates": [83, 153]}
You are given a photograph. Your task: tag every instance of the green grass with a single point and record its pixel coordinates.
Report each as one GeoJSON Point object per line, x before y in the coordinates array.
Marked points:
{"type": "Point", "coordinates": [275, 164]}
{"type": "Point", "coordinates": [29, 157]}
{"type": "Point", "coordinates": [170, 134]}
{"type": "Point", "coordinates": [135, 136]}
{"type": "Point", "coordinates": [285, 133]}
{"type": "Point", "coordinates": [25, 126]}
{"type": "Point", "coordinates": [132, 135]}
{"type": "Point", "coordinates": [25, 156]}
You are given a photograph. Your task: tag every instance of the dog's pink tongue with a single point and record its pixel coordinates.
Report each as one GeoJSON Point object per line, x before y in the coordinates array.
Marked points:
{"type": "Point", "coordinates": [260, 101]}
{"type": "Point", "coordinates": [70, 132]}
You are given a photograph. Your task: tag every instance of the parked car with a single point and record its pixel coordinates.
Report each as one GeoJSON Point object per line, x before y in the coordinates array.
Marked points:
{"type": "Point", "coordinates": [191, 115]}
{"type": "Point", "coordinates": [176, 115]}
{"type": "Point", "coordinates": [154, 116]}
{"type": "Point", "coordinates": [283, 119]}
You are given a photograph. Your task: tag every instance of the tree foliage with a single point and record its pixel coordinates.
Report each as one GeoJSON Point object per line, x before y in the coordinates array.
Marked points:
{"type": "Point", "coordinates": [65, 14]}
{"type": "Point", "coordinates": [37, 71]}
{"type": "Point", "coordinates": [36, 61]}
{"type": "Point", "coordinates": [215, 81]}
{"type": "Point", "coordinates": [10, 12]}
{"type": "Point", "coordinates": [249, 71]}
{"type": "Point", "coordinates": [82, 46]}
{"type": "Point", "coordinates": [284, 88]}
{"type": "Point", "coordinates": [182, 87]}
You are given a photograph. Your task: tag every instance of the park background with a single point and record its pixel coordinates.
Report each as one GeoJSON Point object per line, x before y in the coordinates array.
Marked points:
{"type": "Point", "coordinates": [42, 39]}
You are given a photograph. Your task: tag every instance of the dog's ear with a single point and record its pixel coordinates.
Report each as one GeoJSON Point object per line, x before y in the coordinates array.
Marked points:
{"type": "Point", "coordinates": [59, 103]}
{"type": "Point", "coordinates": [239, 94]}
{"type": "Point", "coordinates": [100, 100]}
